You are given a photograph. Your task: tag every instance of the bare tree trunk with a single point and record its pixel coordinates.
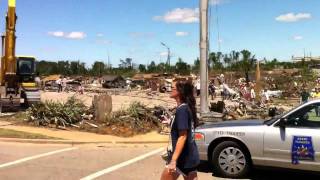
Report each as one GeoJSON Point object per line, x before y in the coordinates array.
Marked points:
{"type": "Point", "coordinates": [247, 77]}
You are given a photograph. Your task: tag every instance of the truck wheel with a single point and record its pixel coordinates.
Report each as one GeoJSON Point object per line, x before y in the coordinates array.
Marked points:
{"type": "Point", "coordinates": [230, 160]}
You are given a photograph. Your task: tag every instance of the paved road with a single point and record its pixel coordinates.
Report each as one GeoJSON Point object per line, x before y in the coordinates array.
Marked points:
{"type": "Point", "coordinates": [118, 162]}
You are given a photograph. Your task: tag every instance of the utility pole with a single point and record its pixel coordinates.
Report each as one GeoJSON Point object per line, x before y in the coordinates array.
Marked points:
{"type": "Point", "coordinates": [168, 57]}
{"type": "Point", "coordinates": [204, 109]}
{"type": "Point", "coordinates": [3, 38]}
{"type": "Point", "coordinates": [258, 81]}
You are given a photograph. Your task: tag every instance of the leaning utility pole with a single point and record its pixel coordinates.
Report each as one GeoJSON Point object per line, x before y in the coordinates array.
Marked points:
{"type": "Point", "coordinates": [204, 57]}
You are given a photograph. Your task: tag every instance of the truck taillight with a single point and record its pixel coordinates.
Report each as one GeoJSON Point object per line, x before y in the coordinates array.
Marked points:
{"type": "Point", "coordinates": [198, 136]}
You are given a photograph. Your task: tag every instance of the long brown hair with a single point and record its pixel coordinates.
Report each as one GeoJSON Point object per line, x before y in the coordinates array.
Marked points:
{"type": "Point", "coordinates": [186, 95]}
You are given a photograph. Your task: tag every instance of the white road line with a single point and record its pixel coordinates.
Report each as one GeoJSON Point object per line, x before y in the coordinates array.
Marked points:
{"type": "Point", "coordinates": [36, 157]}
{"type": "Point", "coordinates": [123, 164]}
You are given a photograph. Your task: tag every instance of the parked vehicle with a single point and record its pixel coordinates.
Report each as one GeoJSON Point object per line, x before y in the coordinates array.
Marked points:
{"type": "Point", "coordinates": [288, 141]}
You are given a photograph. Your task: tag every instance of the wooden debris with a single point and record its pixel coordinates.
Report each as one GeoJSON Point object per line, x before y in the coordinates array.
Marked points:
{"type": "Point", "coordinates": [93, 125]}
{"type": "Point", "coordinates": [73, 125]}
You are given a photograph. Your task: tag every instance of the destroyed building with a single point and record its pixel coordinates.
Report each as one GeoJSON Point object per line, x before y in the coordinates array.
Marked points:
{"type": "Point", "coordinates": [113, 81]}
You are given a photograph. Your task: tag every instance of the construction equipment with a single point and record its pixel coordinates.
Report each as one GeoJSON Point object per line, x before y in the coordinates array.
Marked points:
{"type": "Point", "coordinates": [17, 75]}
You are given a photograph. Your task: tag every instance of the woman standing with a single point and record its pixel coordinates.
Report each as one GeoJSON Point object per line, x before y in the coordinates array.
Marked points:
{"type": "Point", "coordinates": [185, 157]}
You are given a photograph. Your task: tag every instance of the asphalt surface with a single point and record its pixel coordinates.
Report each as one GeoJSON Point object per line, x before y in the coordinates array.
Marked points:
{"type": "Point", "coordinates": [118, 162]}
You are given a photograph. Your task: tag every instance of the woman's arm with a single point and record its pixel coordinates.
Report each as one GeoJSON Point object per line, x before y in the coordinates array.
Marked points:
{"type": "Point", "coordinates": [180, 144]}
{"type": "Point", "coordinates": [179, 147]}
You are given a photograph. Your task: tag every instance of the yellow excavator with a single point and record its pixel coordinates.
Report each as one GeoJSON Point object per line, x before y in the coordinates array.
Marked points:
{"type": "Point", "coordinates": [17, 76]}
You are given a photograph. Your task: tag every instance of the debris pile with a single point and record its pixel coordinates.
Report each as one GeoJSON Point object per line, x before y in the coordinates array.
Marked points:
{"type": "Point", "coordinates": [100, 90]}
{"type": "Point", "coordinates": [242, 109]}
{"type": "Point", "coordinates": [137, 119]}
{"type": "Point", "coordinates": [61, 115]}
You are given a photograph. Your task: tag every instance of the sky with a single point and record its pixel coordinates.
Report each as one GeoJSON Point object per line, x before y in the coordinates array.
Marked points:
{"type": "Point", "coordinates": [91, 30]}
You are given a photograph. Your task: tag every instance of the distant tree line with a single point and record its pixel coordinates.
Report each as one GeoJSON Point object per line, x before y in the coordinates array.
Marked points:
{"type": "Point", "coordinates": [243, 61]}
{"type": "Point", "coordinates": [126, 68]}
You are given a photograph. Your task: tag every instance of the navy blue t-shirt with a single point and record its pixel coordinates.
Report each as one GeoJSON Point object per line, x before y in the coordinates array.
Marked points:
{"type": "Point", "coordinates": [189, 157]}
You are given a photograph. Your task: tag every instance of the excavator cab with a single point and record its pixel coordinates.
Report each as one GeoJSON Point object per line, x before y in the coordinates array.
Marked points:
{"type": "Point", "coordinates": [26, 70]}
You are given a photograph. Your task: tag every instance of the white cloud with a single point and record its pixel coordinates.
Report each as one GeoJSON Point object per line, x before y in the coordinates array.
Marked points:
{"type": "Point", "coordinates": [297, 37]}
{"type": "Point", "coordinates": [180, 15]}
{"type": "Point", "coordinates": [100, 35]}
{"type": "Point", "coordinates": [291, 17]}
{"type": "Point", "coordinates": [181, 33]}
{"type": "Point", "coordinates": [56, 33]}
{"type": "Point", "coordinates": [76, 35]}
{"type": "Point", "coordinates": [71, 35]}
{"type": "Point", "coordinates": [217, 2]}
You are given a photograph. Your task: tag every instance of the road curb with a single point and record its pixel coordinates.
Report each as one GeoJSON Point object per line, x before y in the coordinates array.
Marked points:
{"type": "Point", "coordinates": [49, 141]}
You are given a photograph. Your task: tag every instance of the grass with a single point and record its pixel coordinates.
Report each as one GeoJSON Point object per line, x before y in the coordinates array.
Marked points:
{"type": "Point", "coordinates": [20, 116]}
{"type": "Point", "coordinates": [8, 133]}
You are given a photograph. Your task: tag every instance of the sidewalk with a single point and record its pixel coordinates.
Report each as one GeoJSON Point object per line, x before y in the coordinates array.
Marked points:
{"type": "Point", "coordinates": [82, 137]}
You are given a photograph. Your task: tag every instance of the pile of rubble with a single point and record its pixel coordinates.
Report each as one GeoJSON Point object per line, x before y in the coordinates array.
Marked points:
{"type": "Point", "coordinates": [100, 90]}
{"type": "Point", "coordinates": [271, 96]}
{"type": "Point", "coordinates": [73, 114]}
{"type": "Point", "coordinates": [242, 109]}
{"type": "Point", "coordinates": [137, 119]}
{"type": "Point", "coordinates": [59, 115]}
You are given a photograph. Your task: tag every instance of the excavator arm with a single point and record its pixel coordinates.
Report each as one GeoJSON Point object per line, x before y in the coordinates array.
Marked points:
{"type": "Point", "coordinates": [8, 61]}
{"type": "Point", "coordinates": [17, 74]}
